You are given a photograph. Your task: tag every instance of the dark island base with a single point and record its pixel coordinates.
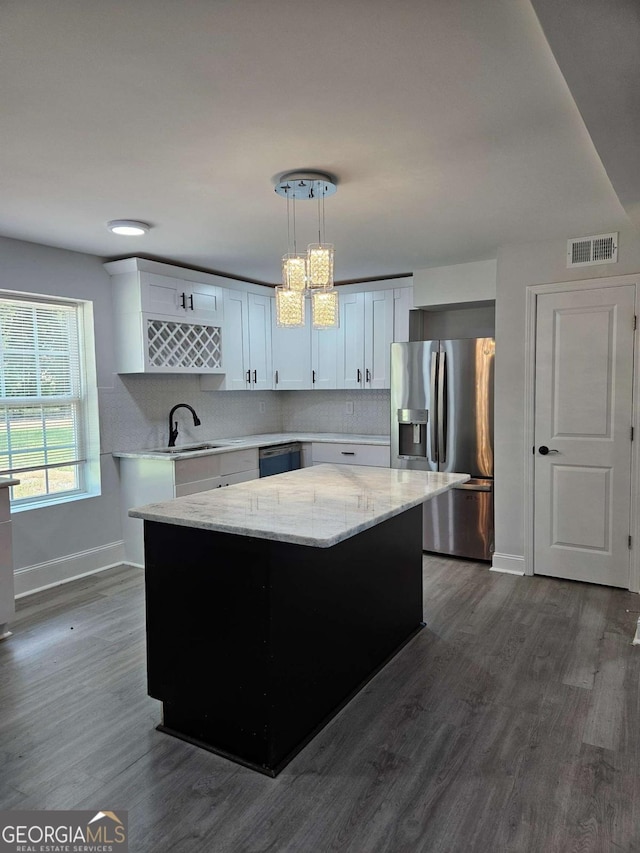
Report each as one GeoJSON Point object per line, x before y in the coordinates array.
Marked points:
{"type": "Point", "coordinates": [253, 645]}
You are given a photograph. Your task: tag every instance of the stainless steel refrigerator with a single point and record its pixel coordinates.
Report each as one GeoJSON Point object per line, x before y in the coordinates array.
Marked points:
{"type": "Point", "coordinates": [442, 420]}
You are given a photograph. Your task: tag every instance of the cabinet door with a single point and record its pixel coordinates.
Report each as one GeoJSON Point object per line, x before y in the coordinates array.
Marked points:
{"type": "Point", "coordinates": [162, 294]}
{"type": "Point", "coordinates": [196, 301]}
{"type": "Point", "coordinates": [260, 362]}
{"type": "Point", "coordinates": [204, 302]}
{"type": "Point", "coordinates": [291, 349]}
{"type": "Point", "coordinates": [324, 358]}
{"type": "Point", "coordinates": [235, 340]}
{"type": "Point", "coordinates": [350, 373]}
{"type": "Point", "coordinates": [402, 304]}
{"type": "Point", "coordinates": [378, 337]}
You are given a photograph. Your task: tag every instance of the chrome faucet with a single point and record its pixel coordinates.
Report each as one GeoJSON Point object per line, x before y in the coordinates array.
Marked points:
{"type": "Point", "coordinates": [173, 425]}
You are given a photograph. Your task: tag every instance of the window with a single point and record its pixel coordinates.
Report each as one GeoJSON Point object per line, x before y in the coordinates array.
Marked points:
{"type": "Point", "coordinates": [44, 404]}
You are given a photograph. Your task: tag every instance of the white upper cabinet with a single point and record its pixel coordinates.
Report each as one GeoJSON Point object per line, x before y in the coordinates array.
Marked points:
{"type": "Point", "coordinates": [366, 334]}
{"type": "Point", "coordinates": [403, 303]}
{"type": "Point", "coordinates": [163, 324]}
{"type": "Point", "coordinates": [236, 340]}
{"type": "Point", "coordinates": [170, 320]}
{"type": "Point", "coordinates": [324, 359]}
{"type": "Point", "coordinates": [304, 358]}
{"type": "Point", "coordinates": [291, 348]}
{"type": "Point", "coordinates": [259, 367]}
{"type": "Point", "coordinates": [197, 302]}
{"type": "Point", "coordinates": [246, 344]}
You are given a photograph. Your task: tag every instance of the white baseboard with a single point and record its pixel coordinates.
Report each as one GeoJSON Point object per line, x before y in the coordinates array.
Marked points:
{"type": "Point", "coordinates": [55, 572]}
{"type": "Point", "coordinates": [508, 564]}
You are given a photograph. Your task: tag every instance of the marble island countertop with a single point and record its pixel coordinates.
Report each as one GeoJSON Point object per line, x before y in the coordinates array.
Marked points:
{"type": "Point", "coordinates": [225, 444]}
{"type": "Point", "coordinates": [318, 506]}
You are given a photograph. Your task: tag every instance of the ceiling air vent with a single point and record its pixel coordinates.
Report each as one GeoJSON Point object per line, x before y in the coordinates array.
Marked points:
{"type": "Point", "coordinates": [586, 251]}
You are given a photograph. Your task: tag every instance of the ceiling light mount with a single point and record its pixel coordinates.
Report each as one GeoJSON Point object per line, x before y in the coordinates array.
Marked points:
{"type": "Point", "coordinates": [128, 227]}
{"type": "Point", "coordinates": [306, 185]}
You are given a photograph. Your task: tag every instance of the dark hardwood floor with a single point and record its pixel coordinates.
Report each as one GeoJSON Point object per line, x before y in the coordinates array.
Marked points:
{"type": "Point", "coordinates": [510, 723]}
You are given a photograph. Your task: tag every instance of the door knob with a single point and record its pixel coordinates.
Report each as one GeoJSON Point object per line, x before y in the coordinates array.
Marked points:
{"type": "Point", "coordinates": [544, 450]}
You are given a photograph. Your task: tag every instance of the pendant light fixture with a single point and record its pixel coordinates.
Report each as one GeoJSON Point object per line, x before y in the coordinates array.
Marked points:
{"type": "Point", "coordinates": [311, 273]}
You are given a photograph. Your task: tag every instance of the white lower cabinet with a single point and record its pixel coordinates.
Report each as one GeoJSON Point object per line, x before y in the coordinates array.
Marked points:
{"type": "Point", "coordinates": [150, 480]}
{"type": "Point", "coordinates": [378, 456]}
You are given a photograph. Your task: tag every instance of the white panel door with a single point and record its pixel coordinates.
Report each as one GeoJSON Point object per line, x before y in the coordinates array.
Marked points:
{"type": "Point", "coordinates": [291, 350]}
{"type": "Point", "coordinates": [235, 340]}
{"type": "Point", "coordinates": [204, 302]}
{"type": "Point", "coordinates": [324, 358]}
{"type": "Point", "coordinates": [403, 303]}
{"type": "Point", "coordinates": [162, 294]}
{"type": "Point", "coordinates": [351, 341]}
{"type": "Point", "coordinates": [583, 417]}
{"type": "Point", "coordinates": [260, 362]}
{"type": "Point", "coordinates": [378, 337]}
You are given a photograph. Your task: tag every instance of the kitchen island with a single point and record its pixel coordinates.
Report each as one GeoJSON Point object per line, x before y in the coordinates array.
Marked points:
{"type": "Point", "coordinates": [269, 604]}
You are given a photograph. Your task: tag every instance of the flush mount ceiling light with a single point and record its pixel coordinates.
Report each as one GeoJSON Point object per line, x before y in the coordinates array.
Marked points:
{"type": "Point", "coordinates": [312, 271]}
{"type": "Point", "coordinates": [128, 227]}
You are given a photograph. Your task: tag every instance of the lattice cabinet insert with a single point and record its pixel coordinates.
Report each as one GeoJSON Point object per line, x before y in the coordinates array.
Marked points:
{"type": "Point", "coordinates": [183, 345]}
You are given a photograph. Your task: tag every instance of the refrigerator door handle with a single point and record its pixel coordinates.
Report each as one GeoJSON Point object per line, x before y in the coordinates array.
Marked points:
{"type": "Point", "coordinates": [433, 414]}
{"type": "Point", "coordinates": [442, 409]}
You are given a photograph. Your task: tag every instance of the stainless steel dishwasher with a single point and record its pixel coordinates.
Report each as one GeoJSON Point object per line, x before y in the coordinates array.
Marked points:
{"type": "Point", "coordinates": [278, 458]}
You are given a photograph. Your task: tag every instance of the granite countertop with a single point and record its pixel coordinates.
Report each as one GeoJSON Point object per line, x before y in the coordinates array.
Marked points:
{"type": "Point", "coordinates": [318, 506]}
{"type": "Point", "coordinates": [250, 441]}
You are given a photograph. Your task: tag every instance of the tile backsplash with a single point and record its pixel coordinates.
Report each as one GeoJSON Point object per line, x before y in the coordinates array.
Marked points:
{"type": "Point", "coordinates": [134, 414]}
{"type": "Point", "coordinates": [363, 412]}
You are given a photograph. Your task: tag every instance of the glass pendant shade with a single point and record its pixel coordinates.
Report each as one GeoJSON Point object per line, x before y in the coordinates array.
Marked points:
{"type": "Point", "coordinates": [294, 272]}
{"type": "Point", "coordinates": [320, 265]}
{"type": "Point", "coordinates": [289, 307]}
{"type": "Point", "coordinates": [325, 310]}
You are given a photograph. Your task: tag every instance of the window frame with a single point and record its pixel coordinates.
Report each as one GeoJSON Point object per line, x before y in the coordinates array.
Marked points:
{"type": "Point", "coordinates": [88, 459]}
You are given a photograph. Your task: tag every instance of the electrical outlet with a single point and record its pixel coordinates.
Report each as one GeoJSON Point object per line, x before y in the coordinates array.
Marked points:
{"type": "Point", "coordinates": [262, 406]}
{"type": "Point", "coordinates": [349, 408]}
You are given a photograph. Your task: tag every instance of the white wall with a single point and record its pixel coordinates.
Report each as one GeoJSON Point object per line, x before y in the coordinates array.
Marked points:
{"type": "Point", "coordinates": [455, 284]}
{"type": "Point", "coordinates": [53, 533]}
{"type": "Point", "coordinates": [518, 267]}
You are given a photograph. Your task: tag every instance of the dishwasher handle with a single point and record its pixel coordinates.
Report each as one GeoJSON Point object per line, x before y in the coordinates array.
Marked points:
{"type": "Point", "coordinates": [278, 450]}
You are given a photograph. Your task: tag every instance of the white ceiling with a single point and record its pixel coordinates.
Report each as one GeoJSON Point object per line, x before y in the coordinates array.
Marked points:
{"type": "Point", "coordinates": [447, 123]}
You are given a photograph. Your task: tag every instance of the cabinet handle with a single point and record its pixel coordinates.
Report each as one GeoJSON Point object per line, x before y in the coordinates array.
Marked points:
{"type": "Point", "coordinates": [313, 377]}
{"type": "Point", "coordinates": [248, 376]}
{"type": "Point", "coordinates": [368, 374]}
{"type": "Point", "coordinates": [191, 301]}
{"type": "Point", "coordinates": [359, 375]}
{"type": "Point", "coordinates": [348, 452]}
{"type": "Point", "coordinates": [183, 300]}
{"type": "Point", "coordinates": [276, 377]}
{"type": "Point", "coordinates": [255, 375]}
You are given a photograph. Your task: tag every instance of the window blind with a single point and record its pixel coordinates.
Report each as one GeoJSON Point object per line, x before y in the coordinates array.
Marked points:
{"type": "Point", "coordinates": [42, 420]}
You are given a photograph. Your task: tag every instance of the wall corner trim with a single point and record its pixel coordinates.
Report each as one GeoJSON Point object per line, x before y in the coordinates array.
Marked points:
{"type": "Point", "coordinates": [41, 576]}
{"type": "Point", "coordinates": [509, 564]}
